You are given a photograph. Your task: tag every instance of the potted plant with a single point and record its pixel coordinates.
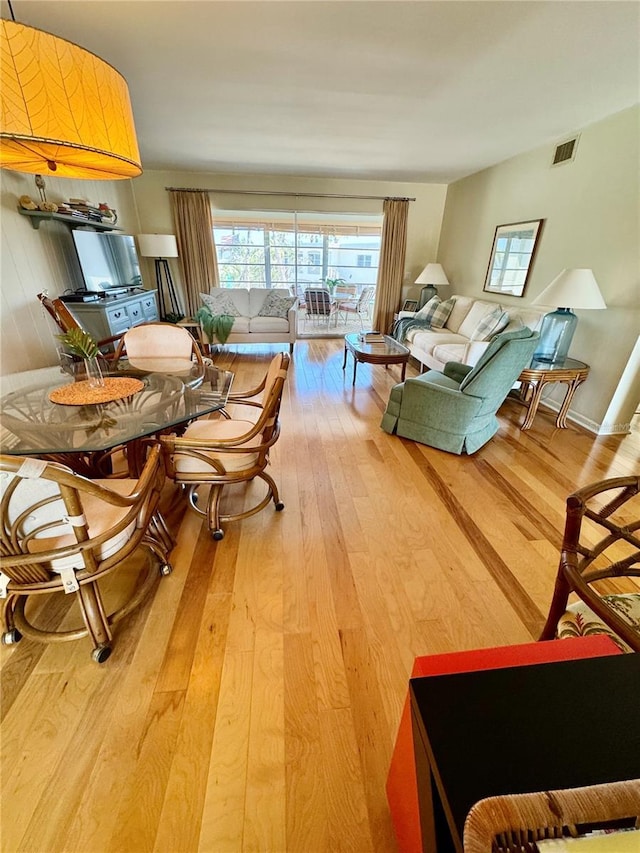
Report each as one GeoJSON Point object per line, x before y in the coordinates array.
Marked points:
{"type": "Point", "coordinates": [81, 344]}
{"type": "Point", "coordinates": [330, 283]}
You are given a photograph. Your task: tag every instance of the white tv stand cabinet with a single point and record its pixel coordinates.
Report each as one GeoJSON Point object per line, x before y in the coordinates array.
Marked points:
{"type": "Point", "coordinates": [114, 315]}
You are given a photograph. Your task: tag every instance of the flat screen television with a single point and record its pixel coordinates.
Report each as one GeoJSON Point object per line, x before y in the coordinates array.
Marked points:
{"type": "Point", "coordinates": [108, 261]}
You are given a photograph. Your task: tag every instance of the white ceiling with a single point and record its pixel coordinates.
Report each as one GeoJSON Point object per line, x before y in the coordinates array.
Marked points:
{"type": "Point", "coordinates": [404, 91]}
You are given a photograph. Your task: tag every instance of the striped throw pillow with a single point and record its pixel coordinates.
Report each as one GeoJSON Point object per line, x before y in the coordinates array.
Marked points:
{"type": "Point", "coordinates": [492, 323]}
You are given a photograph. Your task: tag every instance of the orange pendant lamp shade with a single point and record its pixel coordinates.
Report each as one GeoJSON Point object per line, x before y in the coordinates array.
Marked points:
{"type": "Point", "coordinates": [65, 112]}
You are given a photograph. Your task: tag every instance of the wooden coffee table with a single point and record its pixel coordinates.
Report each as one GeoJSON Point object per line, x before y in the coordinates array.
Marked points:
{"type": "Point", "coordinates": [386, 351]}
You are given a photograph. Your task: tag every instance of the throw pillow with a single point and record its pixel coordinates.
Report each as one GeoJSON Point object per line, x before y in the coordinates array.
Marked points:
{"type": "Point", "coordinates": [492, 323]}
{"type": "Point", "coordinates": [441, 313]}
{"type": "Point", "coordinates": [220, 302]}
{"type": "Point", "coordinates": [276, 305]}
{"type": "Point", "coordinates": [427, 309]}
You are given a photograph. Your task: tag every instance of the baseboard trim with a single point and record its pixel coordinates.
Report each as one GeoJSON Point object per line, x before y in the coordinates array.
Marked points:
{"type": "Point", "coordinates": [590, 425]}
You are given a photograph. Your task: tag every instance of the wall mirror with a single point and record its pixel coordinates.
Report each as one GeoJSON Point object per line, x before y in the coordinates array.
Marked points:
{"type": "Point", "coordinates": [512, 254]}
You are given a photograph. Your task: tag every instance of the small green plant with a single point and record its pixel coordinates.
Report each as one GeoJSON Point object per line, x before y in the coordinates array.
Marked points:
{"type": "Point", "coordinates": [330, 283]}
{"type": "Point", "coordinates": [217, 327]}
{"type": "Point", "coordinates": [80, 343]}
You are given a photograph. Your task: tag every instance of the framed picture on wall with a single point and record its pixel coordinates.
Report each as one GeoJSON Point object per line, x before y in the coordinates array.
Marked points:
{"type": "Point", "coordinates": [512, 255]}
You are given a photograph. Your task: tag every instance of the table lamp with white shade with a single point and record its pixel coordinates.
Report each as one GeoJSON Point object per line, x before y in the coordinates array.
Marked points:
{"type": "Point", "coordinates": [574, 288]}
{"type": "Point", "coordinates": [431, 276]}
{"type": "Point", "coordinates": [160, 247]}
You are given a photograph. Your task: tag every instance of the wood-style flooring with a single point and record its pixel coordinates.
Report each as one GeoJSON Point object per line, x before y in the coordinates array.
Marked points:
{"type": "Point", "coordinates": [252, 703]}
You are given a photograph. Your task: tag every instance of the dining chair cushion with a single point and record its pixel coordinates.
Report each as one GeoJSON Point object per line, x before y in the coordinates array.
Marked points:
{"type": "Point", "coordinates": [215, 431]}
{"type": "Point", "coordinates": [162, 364]}
{"type": "Point", "coordinates": [580, 621]}
{"type": "Point", "coordinates": [100, 516]}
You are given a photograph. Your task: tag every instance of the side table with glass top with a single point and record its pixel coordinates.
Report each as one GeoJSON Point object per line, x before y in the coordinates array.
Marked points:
{"type": "Point", "coordinates": [538, 375]}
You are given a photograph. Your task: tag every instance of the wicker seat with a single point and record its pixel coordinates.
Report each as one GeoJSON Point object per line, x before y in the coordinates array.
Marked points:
{"type": "Point", "coordinates": [224, 452]}
{"type": "Point", "coordinates": [512, 823]}
{"type": "Point", "coordinates": [606, 513]}
{"type": "Point", "coordinates": [64, 533]}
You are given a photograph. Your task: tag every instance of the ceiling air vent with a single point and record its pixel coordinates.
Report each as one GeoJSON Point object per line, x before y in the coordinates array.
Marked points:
{"type": "Point", "coordinates": [565, 152]}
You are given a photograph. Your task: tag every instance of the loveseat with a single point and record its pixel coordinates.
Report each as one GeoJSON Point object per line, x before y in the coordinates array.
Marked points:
{"type": "Point", "coordinates": [261, 316]}
{"type": "Point", "coordinates": [467, 330]}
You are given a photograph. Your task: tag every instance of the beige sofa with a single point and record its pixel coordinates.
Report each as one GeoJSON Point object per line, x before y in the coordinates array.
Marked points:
{"type": "Point", "coordinates": [433, 348]}
{"type": "Point", "coordinates": [250, 326]}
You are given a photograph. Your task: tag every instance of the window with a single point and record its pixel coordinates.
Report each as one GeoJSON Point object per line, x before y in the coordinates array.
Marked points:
{"type": "Point", "coordinates": [295, 250]}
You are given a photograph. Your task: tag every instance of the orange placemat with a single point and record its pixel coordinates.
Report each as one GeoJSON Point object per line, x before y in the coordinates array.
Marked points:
{"type": "Point", "coordinates": [80, 394]}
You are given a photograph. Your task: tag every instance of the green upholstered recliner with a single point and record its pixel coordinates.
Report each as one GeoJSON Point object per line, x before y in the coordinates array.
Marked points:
{"type": "Point", "coordinates": [456, 410]}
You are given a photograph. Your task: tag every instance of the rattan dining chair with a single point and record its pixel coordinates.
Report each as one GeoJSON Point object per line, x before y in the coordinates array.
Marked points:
{"type": "Point", "coordinates": [224, 452]}
{"type": "Point", "coordinates": [160, 348]}
{"type": "Point", "coordinates": [600, 549]}
{"type": "Point", "coordinates": [513, 823]}
{"type": "Point", "coordinates": [65, 533]}
{"type": "Point", "coordinates": [65, 321]}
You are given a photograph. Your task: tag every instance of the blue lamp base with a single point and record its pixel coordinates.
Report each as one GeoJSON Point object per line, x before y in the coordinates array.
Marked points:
{"type": "Point", "coordinates": [427, 293]}
{"type": "Point", "coordinates": [556, 334]}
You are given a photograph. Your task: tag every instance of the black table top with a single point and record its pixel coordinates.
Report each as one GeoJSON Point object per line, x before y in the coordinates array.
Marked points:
{"type": "Point", "coordinates": [530, 728]}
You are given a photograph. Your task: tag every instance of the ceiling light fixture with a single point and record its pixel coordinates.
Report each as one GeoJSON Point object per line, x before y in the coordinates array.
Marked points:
{"type": "Point", "coordinates": [64, 111]}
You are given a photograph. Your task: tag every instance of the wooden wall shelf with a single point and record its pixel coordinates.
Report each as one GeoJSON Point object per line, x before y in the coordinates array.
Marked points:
{"type": "Point", "coordinates": [37, 216]}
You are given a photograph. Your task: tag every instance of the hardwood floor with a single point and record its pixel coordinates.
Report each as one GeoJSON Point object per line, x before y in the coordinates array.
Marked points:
{"type": "Point", "coordinates": [252, 703]}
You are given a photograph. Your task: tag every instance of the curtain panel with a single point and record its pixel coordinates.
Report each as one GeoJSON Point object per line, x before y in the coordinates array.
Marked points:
{"type": "Point", "coordinates": [196, 247]}
{"type": "Point", "coordinates": [392, 257]}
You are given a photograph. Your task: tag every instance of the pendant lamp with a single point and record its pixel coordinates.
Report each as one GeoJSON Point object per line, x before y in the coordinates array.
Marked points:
{"type": "Point", "coordinates": [64, 111]}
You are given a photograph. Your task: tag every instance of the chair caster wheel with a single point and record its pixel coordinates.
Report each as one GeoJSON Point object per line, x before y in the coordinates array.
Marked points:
{"type": "Point", "coordinates": [101, 654]}
{"type": "Point", "coordinates": [166, 569]}
{"type": "Point", "coordinates": [10, 638]}
{"type": "Point", "coordinates": [279, 506]}
{"type": "Point", "coordinates": [218, 534]}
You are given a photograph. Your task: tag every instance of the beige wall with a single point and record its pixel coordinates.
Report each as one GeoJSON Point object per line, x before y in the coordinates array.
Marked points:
{"type": "Point", "coordinates": [33, 261]}
{"type": "Point", "coordinates": [425, 213]}
{"type": "Point", "coordinates": [591, 208]}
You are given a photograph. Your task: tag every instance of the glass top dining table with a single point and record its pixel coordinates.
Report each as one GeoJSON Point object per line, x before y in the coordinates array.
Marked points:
{"type": "Point", "coordinates": [32, 425]}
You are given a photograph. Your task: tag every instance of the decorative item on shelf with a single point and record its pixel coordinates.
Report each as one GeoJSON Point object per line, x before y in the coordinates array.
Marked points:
{"type": "Point", "coordinates": [575, 288]}
{"type": "Point", "coordinates": [48, 207]}
{"type": "Point", "coordinates": [107, 213]}
{"type": "Point", "coordinates": [431, 275]}
{"type": "Point", "coordinates": [160, 247]}
{"type": "Point", "coordinates": [42, 189]}
{"type": "Point", "coordinates": [27, 203]}
{"type": "Point", "coordinates": [217, 327]}
{"type": "Point", "coordinates": [81, 344]}
{"type": "Point", "coordinates": [54, 81]}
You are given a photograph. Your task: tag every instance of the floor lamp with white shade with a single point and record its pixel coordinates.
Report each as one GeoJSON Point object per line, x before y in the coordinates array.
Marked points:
{"type": "Point", "coordinates": [160, 247]}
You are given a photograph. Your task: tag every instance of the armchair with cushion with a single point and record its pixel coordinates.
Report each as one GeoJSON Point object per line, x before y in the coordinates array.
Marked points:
{"type": "Point", "coordinates": [221, 453]}
{"type": "Point", "coordinates": [65, 533]}
{"type": "Point", "coordinates": [456, 410]}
